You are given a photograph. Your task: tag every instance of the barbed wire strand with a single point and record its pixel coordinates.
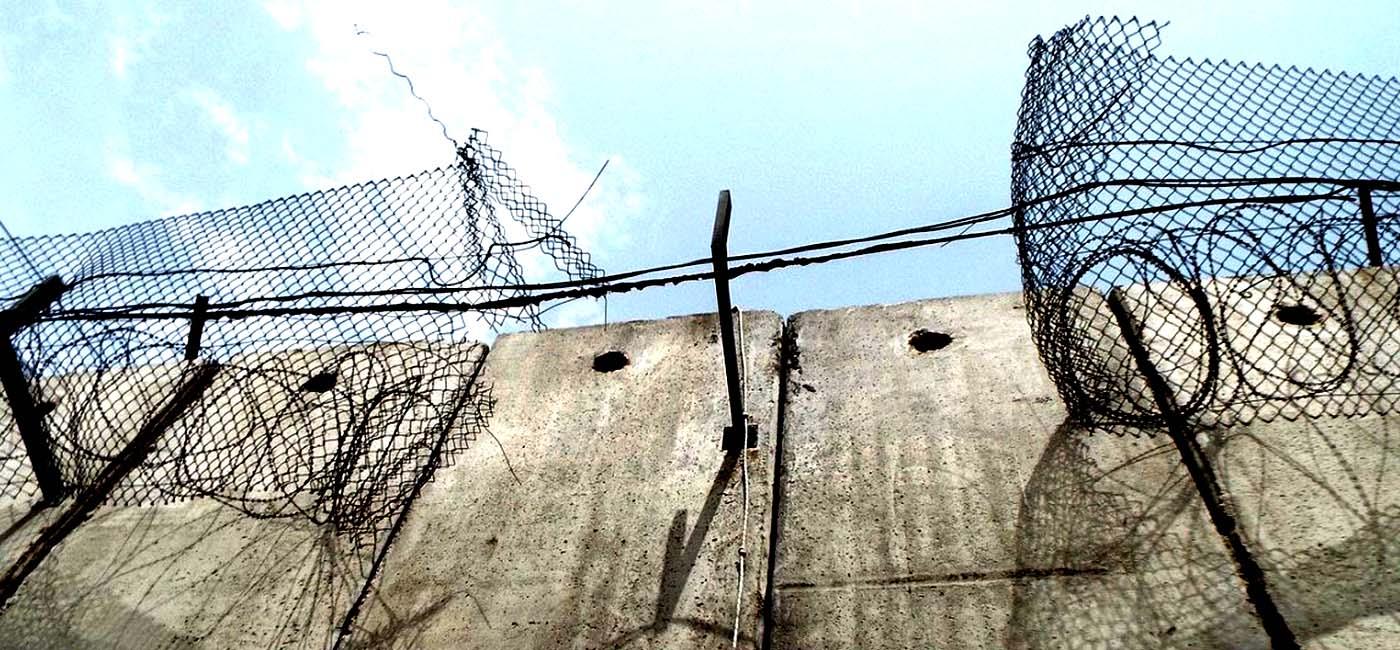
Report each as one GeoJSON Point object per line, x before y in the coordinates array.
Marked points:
{"type": "Point", "coordinates": [961, 222]}
{"type": "Point", "coordinates": [603, 286]}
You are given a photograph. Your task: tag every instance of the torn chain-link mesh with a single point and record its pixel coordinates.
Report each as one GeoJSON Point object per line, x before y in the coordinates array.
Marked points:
{"type": "Point", "coordinates": [318, 412]}
{"type": "Point", "coordinates": [1236, 241]}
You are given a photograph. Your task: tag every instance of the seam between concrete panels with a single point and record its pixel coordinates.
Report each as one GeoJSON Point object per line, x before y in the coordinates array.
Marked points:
{"type": "Point", "coordinates": [347, 623]}
{"type": "Point", "coordinates": [787, 361]}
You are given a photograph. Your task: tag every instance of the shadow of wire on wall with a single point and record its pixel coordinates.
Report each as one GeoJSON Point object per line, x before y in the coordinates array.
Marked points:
{"type": "Point", "coordinates": [278, 546]}
{"type": "Point", "coordinates": [283, 585]}
{"type": "Point", "coordinates": [1208, 253]}
{"type": "Point", "coordinates": [229, 414]}
{"type": "Point", "coordinates": [1152, 572]}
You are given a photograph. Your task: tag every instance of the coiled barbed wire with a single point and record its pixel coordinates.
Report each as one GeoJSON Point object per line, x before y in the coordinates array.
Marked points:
{"type": "Point", "coordinates": [1252, 308]}
{"type": "Point", "coordinates": [328, 417]}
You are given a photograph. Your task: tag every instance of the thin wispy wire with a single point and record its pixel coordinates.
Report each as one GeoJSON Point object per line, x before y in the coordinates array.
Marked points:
{"type": "Point", "coordinates": [14, 243]}
{"type": "Point", "coordinates": [413, 91]}
{"type": "Point", "coordinates": [586, 190]}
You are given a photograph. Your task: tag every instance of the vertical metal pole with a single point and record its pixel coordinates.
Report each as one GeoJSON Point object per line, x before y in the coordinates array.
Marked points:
{"type": "Point", "coordinates": [28, 420]}
{"type": "Point", "coordinates": [1207, 483]}
{"type": "Point", "coordinates": [719, 253]}
{"type": "Point", "coordinates": [201, 305]}
{"type": "Point", "coordinates": [30, 424]}
{"type": "Point", "coordinates": [1372, 227]}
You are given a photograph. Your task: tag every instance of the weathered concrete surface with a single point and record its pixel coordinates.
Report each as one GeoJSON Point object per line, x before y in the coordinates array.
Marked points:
{"type": "Point", "coordinates": [902, 474]}
{"type": "Point", "coordinates": [1119, 553]}
{"type": "Point", "coordinates": [1344, 364]}
{"type": "Point", "coordinates": [188, 575]}
{"type": "Point", "coordinates": [256, 433]}
{"type": "Point", "coordinates": [935, 499]}
{"type": "Point", "coordinates": [607, 515]}
{"type": "Point", "coordinates": [928, 499]}
{"type": "Point", "coordinates": [200, 573]}
{"type": "Point", "coordinates": [1319, 502]}
{"type": "Point", "coordinates": [1316, 495]}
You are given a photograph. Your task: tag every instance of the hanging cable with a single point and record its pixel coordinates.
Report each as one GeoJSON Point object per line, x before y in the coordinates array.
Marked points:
{"type": "Point", "coordinates": [609, 284]}
{"type": "Point", "coordinates": [744, 477]}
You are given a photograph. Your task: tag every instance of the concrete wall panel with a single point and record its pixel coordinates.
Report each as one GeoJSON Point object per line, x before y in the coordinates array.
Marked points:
{"type": "Point", "coordinates": [608, 516]}
{"type": "Point", "coordinates": [936, 499]}
{"type": "Point", "coordinates": [902, 473]}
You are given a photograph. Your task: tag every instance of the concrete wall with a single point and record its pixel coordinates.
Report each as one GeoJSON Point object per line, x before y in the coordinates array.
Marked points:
{"type": "Point", "coordinates": [915, 498]}
{"type": "Point", "coordinates": [198, 573]}
{"type": "Point", "coordinates": [607, 515]}
{"type": "Point", "coordinates": [902, 474]}
{"type": "Point", "coordinates": [935, 499]}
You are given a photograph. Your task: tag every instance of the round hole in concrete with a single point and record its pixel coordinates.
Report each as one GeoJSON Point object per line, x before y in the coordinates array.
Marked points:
{"type": "Point", "coordinates": [1296, 314]}
{"type": "Point", "coordinates": [926, 341]}
{"type": "Point", "coordinates": [610, 361]}
{"type": "Point", "coordinates": [320, 382]}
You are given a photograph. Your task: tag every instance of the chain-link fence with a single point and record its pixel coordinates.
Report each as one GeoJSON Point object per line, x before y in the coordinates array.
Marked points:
{"type": "Point", "coordinates": [1238, 219]}
{"type": "Point", "coordinates": [333, 397]}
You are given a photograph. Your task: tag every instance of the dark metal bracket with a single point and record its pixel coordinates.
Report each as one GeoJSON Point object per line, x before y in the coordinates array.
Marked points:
{"type": "Point", "coordinates": [740, 433]}
{"type": "Point", "coordinates": [1372, 228]}
{"type": "Point", "coordinates": [27, 415]}
{"type": "Point", "coordinates": [197, 318]}
{"type": "Point", "coordinates": [28, 308]}
{"type": "Point", "coordinates": [732, 442]}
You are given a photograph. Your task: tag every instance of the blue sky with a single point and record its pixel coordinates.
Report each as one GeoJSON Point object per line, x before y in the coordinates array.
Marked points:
{"type": "Point", "coordinates": [825, 119]}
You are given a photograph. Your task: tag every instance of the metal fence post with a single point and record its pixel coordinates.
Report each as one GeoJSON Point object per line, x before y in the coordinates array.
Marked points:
{"type": "Point", "coordinates": [1372, 227]}
{"type": "Point", "coordinates": [201, 305]}
{"type": "Point", "coordinates": [1207, 482]}
{"type": "Point", "coordinates": [739, 434]}
{"type": "Point", "coordinates": [28, 419]}
{"type": "Point", "coordinates": [192, 386]}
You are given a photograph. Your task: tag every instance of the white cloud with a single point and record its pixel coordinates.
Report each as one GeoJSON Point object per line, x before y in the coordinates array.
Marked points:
{"type": "Point", "coordinates": [132, 39]}
{"type": "Point", "coordinates": [461, 65]}
{"type": "Point", "coordinates": [145, 181]}
{"type": "Point", "coordinates": [4, 62]}
{"type": "Point", "coordinates": [587, 311]}
{"type": "Point", "coordinates": [287, 13]}
{"type": "Point", "coordinates": [308, 172]}
{"type": "Point", "coordinates": [226, 120]}
{"type": "Point", "coordinates": [124, 171]}
{"type": "Point", "coordinates": [121, 56]}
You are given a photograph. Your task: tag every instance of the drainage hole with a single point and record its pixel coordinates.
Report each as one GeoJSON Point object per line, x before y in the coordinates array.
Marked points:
{"type": "Point", "coordinates": [610, 361]}
{"type": "Point", "coordinates": [1296, 314]}
{"type": "Point", "coordinates": [320, 382]}
{"type": "Point", "coordinates": [926, 341]}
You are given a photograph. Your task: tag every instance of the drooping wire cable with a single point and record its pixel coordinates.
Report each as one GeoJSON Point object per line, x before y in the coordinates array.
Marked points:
{"type": "Point", "coordinates": [766, 256]}
{"type": "Point", "coordinates": [539, 293]}
{"type": "Point", "coordinates": [744, 478]}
